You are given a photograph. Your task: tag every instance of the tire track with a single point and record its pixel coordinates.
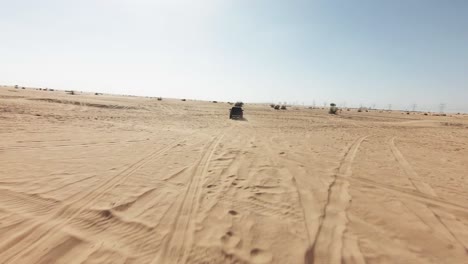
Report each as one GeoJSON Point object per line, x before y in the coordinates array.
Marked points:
{"type": "Point", "coordinates": [328, 243]}
{"type": "Point", "coordinates": [413, 194]}
{"type": "Point", "coordinates": [304, 213]}
{"type": "Point", "coordinates": [177, 244]}
{"type": "Point", "coordinates": [413, 177]}
{"type": "Point", "coordinates": [276, 207]}
{"type": "Point", "coordinates": [220, 183]}
{"type": "Point", "coordinates": [69, 213]}
{"type": "Point", "coordinates": [444, 222]}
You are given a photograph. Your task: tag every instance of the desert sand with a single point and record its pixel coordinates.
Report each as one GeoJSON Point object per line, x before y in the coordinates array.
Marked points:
{"type": "Point", "coordinates": [90, 178]}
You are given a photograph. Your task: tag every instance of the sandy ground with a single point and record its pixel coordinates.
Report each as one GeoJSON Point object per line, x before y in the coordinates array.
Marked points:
{"type": "Point", "coordinates": [114, 179]}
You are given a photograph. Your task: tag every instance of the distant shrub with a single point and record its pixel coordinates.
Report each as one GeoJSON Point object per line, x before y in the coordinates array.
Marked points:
{"type": "Point", "coordinates": [453, 124]}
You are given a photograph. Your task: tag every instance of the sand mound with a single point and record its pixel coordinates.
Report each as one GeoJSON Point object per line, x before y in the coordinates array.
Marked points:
{"type": "Point", "coordinates": [81, 103]}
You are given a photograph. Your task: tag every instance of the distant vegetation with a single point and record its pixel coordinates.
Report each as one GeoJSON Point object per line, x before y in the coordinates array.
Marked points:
{"type": "Point", "coordinates": [362, 109]}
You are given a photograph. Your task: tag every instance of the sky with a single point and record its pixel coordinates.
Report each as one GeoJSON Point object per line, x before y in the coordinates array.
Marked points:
{"type": "Point", "coordinates": [353, 53]}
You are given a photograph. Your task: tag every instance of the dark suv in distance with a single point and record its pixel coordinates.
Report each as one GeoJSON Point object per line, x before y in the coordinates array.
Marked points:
{"type": "Point", "coordinates": [236, 112]}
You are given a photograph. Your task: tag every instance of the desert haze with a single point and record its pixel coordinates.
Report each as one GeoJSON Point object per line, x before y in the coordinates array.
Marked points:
{"type": "Point", "coordinates": [89, 178]}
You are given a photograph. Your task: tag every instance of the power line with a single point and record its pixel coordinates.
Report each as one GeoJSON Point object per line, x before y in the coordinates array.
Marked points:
{"type": "Point", "coordinates": [442, 107]}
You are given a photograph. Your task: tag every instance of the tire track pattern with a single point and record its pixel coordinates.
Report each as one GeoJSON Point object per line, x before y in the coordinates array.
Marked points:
{"type": "Point", "coordinates": [443, 222]}
{"type": "Point", "coordinates": [178, 243]}
{"type": "Point", "coordinates": [71, 211]}
{"type": "Point", "coordinates": [414, 178]}
{"type": "Point", "coordinates": [328, 244]}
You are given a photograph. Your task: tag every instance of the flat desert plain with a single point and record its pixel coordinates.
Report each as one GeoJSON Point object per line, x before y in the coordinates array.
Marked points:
{"type": "Point", "coordinates": [91, 178]}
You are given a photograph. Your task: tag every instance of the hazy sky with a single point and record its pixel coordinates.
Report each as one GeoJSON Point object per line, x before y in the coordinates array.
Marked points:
{"type": "Point", "coordinates": [366, 52]}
